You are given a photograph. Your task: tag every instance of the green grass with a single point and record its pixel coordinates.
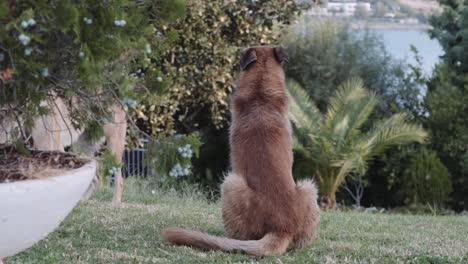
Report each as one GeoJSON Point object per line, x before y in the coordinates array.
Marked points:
{"type": "Point", "coordinates": [96, 233]}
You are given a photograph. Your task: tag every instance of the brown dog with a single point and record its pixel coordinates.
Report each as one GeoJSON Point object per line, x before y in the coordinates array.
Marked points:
{"type": "Point", "coordinates": [264, 211]}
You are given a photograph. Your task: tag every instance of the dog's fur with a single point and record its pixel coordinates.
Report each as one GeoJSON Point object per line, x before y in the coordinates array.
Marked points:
{"type": "Point", "coordinates": [264, 211]}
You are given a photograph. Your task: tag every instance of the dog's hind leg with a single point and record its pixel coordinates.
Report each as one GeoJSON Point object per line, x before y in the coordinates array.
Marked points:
{"type": "Point", "coordinates": [236, 198]}
{"type": "Point", "coordinates": [307, 196]}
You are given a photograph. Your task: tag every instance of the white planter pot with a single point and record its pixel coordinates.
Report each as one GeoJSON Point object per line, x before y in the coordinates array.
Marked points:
{"type": "Point", "coordinates": [31, 209]}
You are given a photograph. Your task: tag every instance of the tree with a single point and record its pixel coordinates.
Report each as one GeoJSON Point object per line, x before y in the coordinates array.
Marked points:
{"type": "Point", "coordinates": [447, 96]}
{"type": "Point", "coordinates": [73, 49]}
{"type": "Point", "coordinates": [88, 53]}
{"type": "Point", "coordinates": [446, 104]}
{"type": "Point", "coordinates": [449, 28]}
{"type": "Point", "coordinates": [324, 53]}
{"type": "Point", "coordinates": [335, 143]}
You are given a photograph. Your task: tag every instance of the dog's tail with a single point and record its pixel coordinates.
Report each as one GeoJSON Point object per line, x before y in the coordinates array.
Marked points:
{"type": "Point", "coordinates": [272, 244]}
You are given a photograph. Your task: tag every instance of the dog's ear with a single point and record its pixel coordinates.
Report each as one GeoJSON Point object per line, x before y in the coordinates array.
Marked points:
{"type": "Point", "coordinates": [281, 55]}
{"type": "Point", "coordinates": [248, 57]}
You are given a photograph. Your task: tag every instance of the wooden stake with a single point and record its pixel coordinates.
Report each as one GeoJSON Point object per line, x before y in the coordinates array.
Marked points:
{"type": "Point", "coordinates": [115, 133]}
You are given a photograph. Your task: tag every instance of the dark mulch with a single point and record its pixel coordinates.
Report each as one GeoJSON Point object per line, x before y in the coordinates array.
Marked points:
{"type": "Point", "coordinates": [19, 165]}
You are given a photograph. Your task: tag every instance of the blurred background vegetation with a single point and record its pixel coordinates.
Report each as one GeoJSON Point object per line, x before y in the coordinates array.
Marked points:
{"type": "Point", "coordinates": [173, 64]}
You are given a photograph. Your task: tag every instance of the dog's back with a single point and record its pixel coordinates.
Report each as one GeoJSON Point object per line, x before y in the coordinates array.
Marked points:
{"type": "Point", "coordinates": [261, 148]}
{"type": "Point", "coordinates": [261, 151]}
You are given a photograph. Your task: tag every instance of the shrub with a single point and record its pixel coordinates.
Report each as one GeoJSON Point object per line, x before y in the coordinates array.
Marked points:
{"type": "Point", "coordinates": [427, 180]}
{"type": "Point", "coordinates": [172, 157]}
{"type": "Point", "coordinates": [203, 62]}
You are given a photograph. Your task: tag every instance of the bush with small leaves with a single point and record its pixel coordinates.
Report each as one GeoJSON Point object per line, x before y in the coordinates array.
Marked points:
{"type": "Point", "coordinates": [203, 62]}
{"type": "Point", "coordinates": [427, 180]}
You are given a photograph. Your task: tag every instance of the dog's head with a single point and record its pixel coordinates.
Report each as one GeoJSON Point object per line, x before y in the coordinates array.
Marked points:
{"type": "Point", "coordinates": [263, 57]}
{"type": "Point", "coordinates": [262, 75]}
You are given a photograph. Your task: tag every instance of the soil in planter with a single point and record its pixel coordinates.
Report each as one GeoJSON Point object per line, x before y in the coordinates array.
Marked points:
{"type": "Point", "coordinates": [16, 166]}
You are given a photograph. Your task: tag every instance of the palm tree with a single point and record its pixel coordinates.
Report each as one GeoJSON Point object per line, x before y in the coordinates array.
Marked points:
{"type": "Point", "coordinates": [334, 141]}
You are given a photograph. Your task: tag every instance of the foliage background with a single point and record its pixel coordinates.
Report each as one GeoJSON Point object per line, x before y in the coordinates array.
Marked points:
{"type": "Point", "coordinates": [202, 65]}
{"type": "Point", "coordinates": [173, 65]}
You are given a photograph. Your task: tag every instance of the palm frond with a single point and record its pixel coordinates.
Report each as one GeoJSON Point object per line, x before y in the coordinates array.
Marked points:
{"type": "Point", "coordinates": [349, 109]}
{"type": "Point", "coordinates": [302, 111]}
{"type": "Point", "coordinates": [395, 130]}
{"type": "Point", "coordinates": [301, 137]}
{"type": "Point", "coordinates": [345, 168]}
{"type": "Point", "coordinates": [360, 112]}
{"type": "Point", "coordinates": [352, 162]}
{"type": "Point", "coordinates": [348, 93]}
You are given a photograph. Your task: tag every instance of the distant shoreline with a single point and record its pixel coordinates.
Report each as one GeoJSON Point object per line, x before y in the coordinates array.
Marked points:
{"type": "Point", "coordinates": [375, 24]}
{"type": "Point", "coordinates": [387, 25]}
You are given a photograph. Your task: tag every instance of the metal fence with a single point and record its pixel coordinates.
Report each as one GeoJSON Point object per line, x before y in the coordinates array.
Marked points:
{"type": "Point", "coordinates": [135, 162]}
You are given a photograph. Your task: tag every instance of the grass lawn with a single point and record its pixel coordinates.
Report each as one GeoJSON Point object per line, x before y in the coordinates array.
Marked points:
{"type": "Point", "coordinates": [96, 233]}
